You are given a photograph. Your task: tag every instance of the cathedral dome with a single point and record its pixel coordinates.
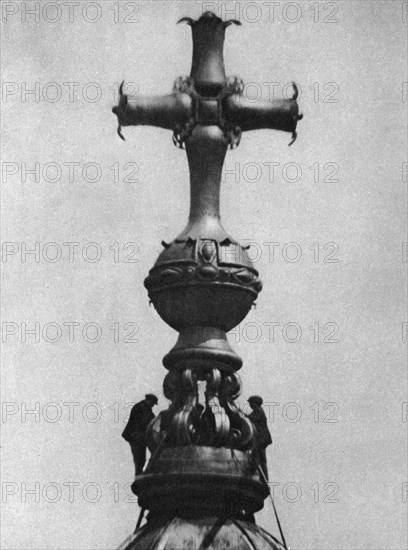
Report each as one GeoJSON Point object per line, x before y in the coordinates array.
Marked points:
{"type": "Point", "coordinates": [209, 533]}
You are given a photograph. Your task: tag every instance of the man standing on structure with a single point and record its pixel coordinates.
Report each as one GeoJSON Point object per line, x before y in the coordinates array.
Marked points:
{"type": "Point", "coordinates": [135, 432]}
{"type": "Point", "coordinates": [262, 434]}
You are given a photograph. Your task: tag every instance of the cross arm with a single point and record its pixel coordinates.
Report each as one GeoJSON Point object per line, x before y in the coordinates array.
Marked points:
{"type": "Point", "coordinates": [280, 114]}
{"type": "Point", "coordinates": [167, 111]}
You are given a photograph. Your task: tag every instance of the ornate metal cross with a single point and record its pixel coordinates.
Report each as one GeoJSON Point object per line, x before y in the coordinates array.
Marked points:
{"type": "Point", "coordinates": [207, 97]}
{"type": "Point", "coordinates": [203, 284]}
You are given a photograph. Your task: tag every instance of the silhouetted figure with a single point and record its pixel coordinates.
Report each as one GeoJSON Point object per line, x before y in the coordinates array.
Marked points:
{"type": "Point", "coordinates": [262, 436]}
{"type": "Point", "coordinates": [135, 431]}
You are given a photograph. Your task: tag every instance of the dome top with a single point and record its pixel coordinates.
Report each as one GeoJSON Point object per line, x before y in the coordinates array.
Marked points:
{"type": "Point", "coordinates": [201, 534]}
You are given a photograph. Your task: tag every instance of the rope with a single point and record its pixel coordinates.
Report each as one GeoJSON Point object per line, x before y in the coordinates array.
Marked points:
{"type": "Point", "coordinates": [155, 455]}
{"type": "Point", "coordinates": [274, 508]}
{"type": "Point", "coordinates": [236, 459]}
{"type": "Point", "coordinates": [139, 521]}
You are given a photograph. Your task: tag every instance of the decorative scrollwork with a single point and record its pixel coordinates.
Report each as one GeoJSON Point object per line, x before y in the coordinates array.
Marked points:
{"type": "Point", "coordinates": [242, 431]}
{"type": "Point", "coordinates": [218, 422]}
{"type": "Point", "coordinates": [181, 133]}
{"type": "Point", "coordinates": [184, 422]}
{"type": "Point", "coordinates": [233, 134]}
{"type": "Point", "coordinates": [213, 417]}
{"type": "Point", "coordinates": [235, 85]}
{"type": "Point", "coordinates": [184, 85]}
{"type": "Point", "coordinates": [171, 385]}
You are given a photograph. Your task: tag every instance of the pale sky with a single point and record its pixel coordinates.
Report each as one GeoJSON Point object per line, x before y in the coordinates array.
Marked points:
{"type": "Point", "coordinates": [337, 390]}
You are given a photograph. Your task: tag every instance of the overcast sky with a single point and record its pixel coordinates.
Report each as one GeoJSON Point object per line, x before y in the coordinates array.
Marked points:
{"type": "Point", "coordinates": [324, 346]}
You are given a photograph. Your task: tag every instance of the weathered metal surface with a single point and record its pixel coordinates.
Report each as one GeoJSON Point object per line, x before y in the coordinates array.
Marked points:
{"type": "Point", "coordinates": [203, 480]}
{"type": "Point", "coordinates": [215, 533]}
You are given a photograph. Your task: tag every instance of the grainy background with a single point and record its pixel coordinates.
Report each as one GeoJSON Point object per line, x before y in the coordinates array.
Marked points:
{"type": "Point", "coordinates": [338, 462]}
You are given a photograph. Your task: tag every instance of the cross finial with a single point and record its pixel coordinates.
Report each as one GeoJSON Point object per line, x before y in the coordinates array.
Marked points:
{"type": "Point", "coordinates": [203, 284]}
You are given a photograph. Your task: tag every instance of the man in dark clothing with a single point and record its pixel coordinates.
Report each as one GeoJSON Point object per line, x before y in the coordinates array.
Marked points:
{"type": "Point", "coordinates": [262, 436]}
{"type": "Point", "coordinates": [135, 431]}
